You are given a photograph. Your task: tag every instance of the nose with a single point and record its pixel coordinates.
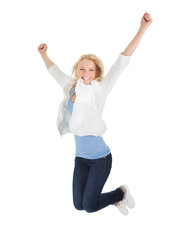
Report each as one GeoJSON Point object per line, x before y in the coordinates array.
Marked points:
{"type": "Point", "coordinates": [86, 74]}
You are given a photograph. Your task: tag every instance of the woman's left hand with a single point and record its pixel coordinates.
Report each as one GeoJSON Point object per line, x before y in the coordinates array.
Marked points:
{"type": "Point", "coordinates": [146, 20]}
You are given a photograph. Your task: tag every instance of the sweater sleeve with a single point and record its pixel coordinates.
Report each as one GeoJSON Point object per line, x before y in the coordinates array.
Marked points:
{"type": "Point", "coordinates": [59, 76]}
{"type": "Point", "coordinates": [110, 79]}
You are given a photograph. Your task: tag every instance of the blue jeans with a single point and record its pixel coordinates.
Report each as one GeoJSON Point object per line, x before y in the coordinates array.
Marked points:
{"type": "Point", "coordinates": [89, 178]}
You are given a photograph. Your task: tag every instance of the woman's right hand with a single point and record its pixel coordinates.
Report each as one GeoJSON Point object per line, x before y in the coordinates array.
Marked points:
{"type": "Point", "coordinates": [42, 48]}
{"type": "Point", "coordinates": [146, 20]}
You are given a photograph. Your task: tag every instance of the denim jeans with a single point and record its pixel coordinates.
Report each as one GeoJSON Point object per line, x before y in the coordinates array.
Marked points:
{"type": "Point", "coordinates": [89, 178]}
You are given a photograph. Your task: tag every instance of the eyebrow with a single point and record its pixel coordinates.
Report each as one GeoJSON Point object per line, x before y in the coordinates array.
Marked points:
{"type": "Point", "coordinates": [89, 68]}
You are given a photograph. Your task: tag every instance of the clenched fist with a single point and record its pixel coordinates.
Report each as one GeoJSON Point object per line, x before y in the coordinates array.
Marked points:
{"type": "Point", "coordinates": [146, 20]}
{"type": "Point", "coordinates": [42, 48]}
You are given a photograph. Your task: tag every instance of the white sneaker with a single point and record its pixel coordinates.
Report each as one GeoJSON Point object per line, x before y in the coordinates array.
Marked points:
{"type": "Point", "coordinates": [128, 199]}
{"type": "Point", "coordinates": [122, 208]}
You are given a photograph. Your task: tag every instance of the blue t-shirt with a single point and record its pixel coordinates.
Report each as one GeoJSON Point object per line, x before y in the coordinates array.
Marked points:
{"type": "Point", "coordinates": [89, 146]}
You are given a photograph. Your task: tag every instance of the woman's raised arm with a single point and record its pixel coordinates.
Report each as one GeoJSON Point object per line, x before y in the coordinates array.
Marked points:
{"type": "Point", "coordinates": [145, 22]}
{"type": "Point", "coordinates": [53, 69]}
{"type": "Point", "coordinates": [42, 50]}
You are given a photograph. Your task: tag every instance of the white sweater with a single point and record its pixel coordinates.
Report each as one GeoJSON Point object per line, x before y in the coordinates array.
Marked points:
{"type": "Point", "coordinates": [86, 118]}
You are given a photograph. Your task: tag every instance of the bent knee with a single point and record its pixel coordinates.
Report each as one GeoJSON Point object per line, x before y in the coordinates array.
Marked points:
{"type": "Point", "coordinates": [90, 207]}
{"type": "Point", "coordinates": [78, 206]}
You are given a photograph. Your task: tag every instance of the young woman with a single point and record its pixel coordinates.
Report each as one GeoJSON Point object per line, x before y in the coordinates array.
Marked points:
{"type": "Point", "coordinates": [80, 112]}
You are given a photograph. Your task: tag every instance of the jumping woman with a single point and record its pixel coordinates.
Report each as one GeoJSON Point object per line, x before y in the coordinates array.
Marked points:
{"type": "Point", "coordinates": [80, 113]}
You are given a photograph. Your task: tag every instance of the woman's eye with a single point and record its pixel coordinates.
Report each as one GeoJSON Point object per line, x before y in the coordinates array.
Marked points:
{"type": "Point", "coordinates": [83, 69]}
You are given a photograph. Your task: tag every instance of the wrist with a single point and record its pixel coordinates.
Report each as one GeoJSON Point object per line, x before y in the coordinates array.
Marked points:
{"type": "Point", "coordinates": [43, 54]}
{"type": "Point", "coordinates": [142, 29]}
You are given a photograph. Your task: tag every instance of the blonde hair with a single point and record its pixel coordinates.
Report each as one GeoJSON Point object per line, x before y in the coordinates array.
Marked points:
{"type": "Point", "coordinates": [98, 63]}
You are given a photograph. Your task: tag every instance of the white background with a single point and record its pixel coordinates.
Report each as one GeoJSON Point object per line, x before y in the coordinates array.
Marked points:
{"type": "Point", "coordinates": [146, 115]}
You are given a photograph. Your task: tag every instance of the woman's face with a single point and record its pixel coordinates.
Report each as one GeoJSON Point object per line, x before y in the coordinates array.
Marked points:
{"type": "Point", "coordinates": [86, 70]}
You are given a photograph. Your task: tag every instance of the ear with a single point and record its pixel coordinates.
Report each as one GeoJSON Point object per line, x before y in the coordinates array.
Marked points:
{"type": "Point", "coordinates": [96, 74]}
{"type": "Point", "coordinates": [76, 70]}
{"type": "Point", "coordinates": [97, 71]}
